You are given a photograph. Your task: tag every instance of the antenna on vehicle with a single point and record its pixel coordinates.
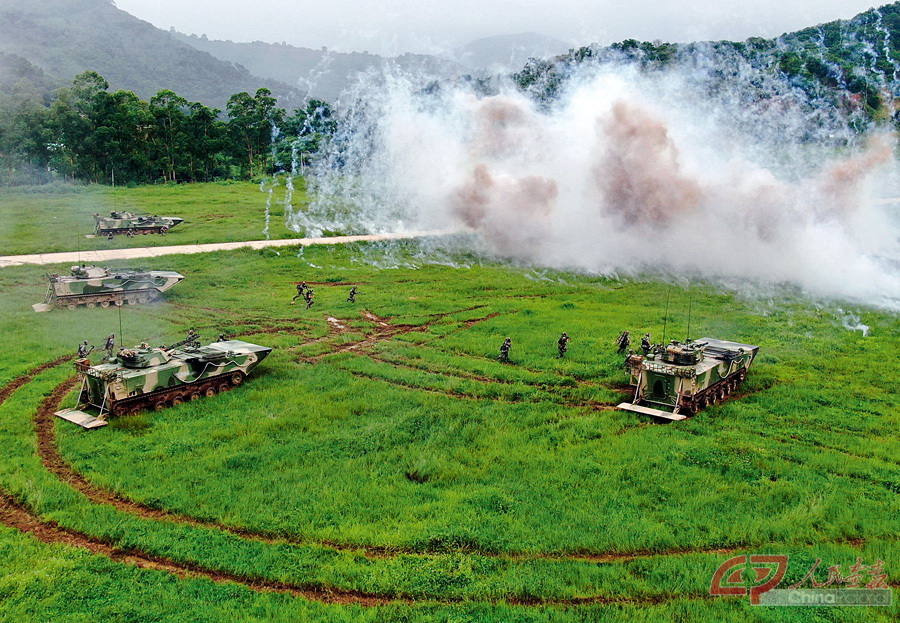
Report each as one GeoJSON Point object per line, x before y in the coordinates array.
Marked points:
{"type": "Point", "coordinates": [121, 334]}
{"type": "Point", "coordinates": [690, 306]}
{"type": "Point", "coordinates": [666, 316]}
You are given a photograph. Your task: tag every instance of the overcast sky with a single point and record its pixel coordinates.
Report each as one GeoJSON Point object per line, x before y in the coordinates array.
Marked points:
{"type": "Point", "coordinates": [395, 26]}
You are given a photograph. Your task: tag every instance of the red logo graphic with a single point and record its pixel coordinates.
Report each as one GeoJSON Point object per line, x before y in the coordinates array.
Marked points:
{"type": "Point", "coordinates": [765, 572]}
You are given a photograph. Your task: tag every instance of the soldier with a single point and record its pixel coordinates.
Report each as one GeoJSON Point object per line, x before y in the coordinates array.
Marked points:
{"type": "Point", "coordinates": [623, 341]}
{"type": "Point", "coordinates": [504, 351]}
{"type": "Point", "coordinates": [193, 338]}
{"type": "Point", "coordinates": [562, 344]}
{"type": "Point", "coordinates": [309, 297]}
{"type": "Point", "coordinates": [353, 292]}
{"type": "Point", "coordinates": [222, 337]}
{"type": "Point", "coordinates": [646, 346]}
{"type": "Point", "coordinates": [84, 350]}
{"type": "Point", "coordinates": [301, 289]}
{"type": "Point", "coordinates": [110, 344]}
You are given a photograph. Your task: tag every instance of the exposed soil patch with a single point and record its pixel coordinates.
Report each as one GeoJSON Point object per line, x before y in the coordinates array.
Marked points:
{"type": "Point", "coordinates": [17, 516]}
{"type": "Point", "coordinates": [21, 380]}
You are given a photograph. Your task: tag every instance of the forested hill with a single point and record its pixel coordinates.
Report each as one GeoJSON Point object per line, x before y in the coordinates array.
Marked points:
{"type": "Point", "coordinates": [63, 38]}
{"type": "Point", "coordinates": [845, 73]}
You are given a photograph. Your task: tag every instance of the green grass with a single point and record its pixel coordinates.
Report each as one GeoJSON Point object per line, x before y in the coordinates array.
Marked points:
{"type": "Point", "coordinates": [59, 219]}
{"type": "Point", "coordinates": [473, 471]}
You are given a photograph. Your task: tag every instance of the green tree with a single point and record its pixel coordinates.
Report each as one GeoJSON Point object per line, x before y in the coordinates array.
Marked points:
{"type": "Point", "coordinates": [253, 125]}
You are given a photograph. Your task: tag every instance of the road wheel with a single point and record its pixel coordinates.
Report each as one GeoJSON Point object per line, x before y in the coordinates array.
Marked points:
{"type": "Point", "coordinates": [71, 306]}
{"type": "Point", "coordinates": [194, 396]}
{"type": "Point", "coordinates": [119, 302]}
{"type": "Point", "coordinates": [177, 400]}
{"type": "Point", "coordinates": [224, 387]}
{"type": "Point", "coordinates": [143, 299]}
{"type": "Point", "coordinates": [237, 378]}
{"type": "Point", "coordinates": [210, 391]}
{"type": "Point", "coordinates": [104, 304]}
{"type": "Point", "coordinates": [90, 305]}
{"type": "Point", "coordinates": [159, 405]}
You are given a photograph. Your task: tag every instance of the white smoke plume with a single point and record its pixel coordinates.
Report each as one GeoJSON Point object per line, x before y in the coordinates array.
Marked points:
{"type": "Point", "coordinates": [627, 174]}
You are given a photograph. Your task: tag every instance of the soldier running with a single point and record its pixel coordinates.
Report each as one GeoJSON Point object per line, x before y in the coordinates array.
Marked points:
{"type": "Point", "coordinates": [623, 341]}
{"type": "Point", "coordinates": [353, 292]}
{"type": "Point", "coordinates": [562, 344]}
{"type": "Point", "coordinates": [309, 297]}
{"type": "Point", "coordinates": [301, 289]}
{"type": "Point", "coordinates": [84, 350]}
{"type": "Point", "coordinates": [646, 346]}
{"type": "Point", "coordinates": [504, 351]}
{"type": "Point", "coordinates": [110, 344]}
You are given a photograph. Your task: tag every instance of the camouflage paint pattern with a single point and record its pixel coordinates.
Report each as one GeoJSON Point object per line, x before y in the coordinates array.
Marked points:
{"type": "Point", "coordinates": [89, 284]}
{"type": "Point", "coordinates": [137, 374]}
{"type": "Point", "coordinates": [131, 223]}
{"type": "Point", "coordinates": [687, 375]}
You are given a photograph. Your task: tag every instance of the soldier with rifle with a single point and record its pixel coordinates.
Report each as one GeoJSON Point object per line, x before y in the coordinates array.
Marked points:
{"type": "Point", "coordinates": [504, 351]}
{"type": "Point", "coordinates": [562, 345]}
{"type": "Point", "coordinates": [301, 289]}
{"type": "Point", "coordinates": [84, 350]}
{"type": "Point", "coordinates": [623, 341]}
{"type": "Point", "coordinates": [110, 344]}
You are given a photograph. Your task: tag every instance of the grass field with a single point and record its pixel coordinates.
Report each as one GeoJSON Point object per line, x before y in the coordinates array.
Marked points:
{"type": "Point", "coordinates": [381, 465]}
{"type": "Point", "coordinates": [60, 218]}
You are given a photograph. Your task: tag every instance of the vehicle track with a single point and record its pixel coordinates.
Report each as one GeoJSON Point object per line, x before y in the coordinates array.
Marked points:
{"type": "Point", "coordinates": [16, 515]}
{"type": "Point", "coordinates": [53, 461]}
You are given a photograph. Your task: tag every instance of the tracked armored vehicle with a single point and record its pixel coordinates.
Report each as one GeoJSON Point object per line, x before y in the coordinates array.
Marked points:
{"type": "Point", "coordinates": [155, 378]}
{"type": "Point", "coordinates": [129, 224]}
{"type": "Point", "coordinates": [681, 378]}
{"type": "Point", "coordinates": [92, 286]}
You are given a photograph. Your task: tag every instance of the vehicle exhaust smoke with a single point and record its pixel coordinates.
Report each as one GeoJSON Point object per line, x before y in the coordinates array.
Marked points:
{"type": "Point", "coordinates": [626, 174]}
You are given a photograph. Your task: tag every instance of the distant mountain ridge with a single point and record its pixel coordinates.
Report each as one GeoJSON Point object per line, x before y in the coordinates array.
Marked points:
{"type": "Point", "coordinates": [321, 74]}
{"type": "Point", "coordinates": [63, 38]}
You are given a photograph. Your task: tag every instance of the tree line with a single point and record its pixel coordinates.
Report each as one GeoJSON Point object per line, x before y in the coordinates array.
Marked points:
{"type": "Point", "coordinates": [87, 133]}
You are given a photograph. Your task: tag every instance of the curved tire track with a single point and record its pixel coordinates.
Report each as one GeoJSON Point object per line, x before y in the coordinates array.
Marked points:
{"type": "Point", "coordinates": [16, 515]}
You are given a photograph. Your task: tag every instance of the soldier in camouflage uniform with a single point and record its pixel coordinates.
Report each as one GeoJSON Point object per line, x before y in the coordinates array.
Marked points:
{"type": "Point", "coordinates": [623, 341]}
{"type": "Point", "coordinates": [192, 339]}
{"type": "Point", "coordinates": [110, 344]}
{"type": "Point", "coordinates": [646, 346]}
{"type": "Point", "coordinates": [504, 351]}
{"type": "Point", "coordinates": [84, 350]}
{"type": "Point", "coordinates": [353, 292]}
{"type": "Point", "coordinates": [562, 345]}
{"type": "Point", "coordinates": [309, 297]}
{"type": "Point", "coordinates": [301, 291]}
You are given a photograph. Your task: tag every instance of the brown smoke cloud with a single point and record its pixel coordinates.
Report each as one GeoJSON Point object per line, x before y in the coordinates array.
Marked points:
{"type": "Point", "coordinates": [512, 213]}
{"type": "Point", "coordinates": [840, 186]}
{"type": "Point", "coordinates": [502, 128]}
{"type": "Point", "coordinates": [638, 173]}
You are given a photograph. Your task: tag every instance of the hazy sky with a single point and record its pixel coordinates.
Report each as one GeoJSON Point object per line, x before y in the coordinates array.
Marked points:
{"type": "Point", "coordinates": [397, 26]}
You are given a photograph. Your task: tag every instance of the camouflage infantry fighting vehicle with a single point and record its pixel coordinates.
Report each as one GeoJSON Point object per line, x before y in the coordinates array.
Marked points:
{"type": "Point", "coordinates": [129, 223]}
{"type": "Point", "coordinates": [91, 286]}
{"type": "Point", "coordinates": [142, 377]}
{"type": "Point", "coordinates": [681, 379]}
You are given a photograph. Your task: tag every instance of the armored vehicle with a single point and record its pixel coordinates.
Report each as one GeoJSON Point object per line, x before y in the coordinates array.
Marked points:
{"type": "Point", "coordinates": [129, 223]}
{"type": "Point", "coordinates": [91, 286]}
{"type": "Point", "coordinates": [681, 378]}
{"type": "Point", "coordinates": [142, 377]}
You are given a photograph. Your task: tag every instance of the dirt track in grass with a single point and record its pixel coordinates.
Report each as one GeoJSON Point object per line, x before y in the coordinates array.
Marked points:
{"type": "Point", "coordinates": [18, 516]}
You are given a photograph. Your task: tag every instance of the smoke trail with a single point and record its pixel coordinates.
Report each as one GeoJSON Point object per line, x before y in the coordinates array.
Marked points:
{"type": "Point", "coordinates": [629, 173]}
